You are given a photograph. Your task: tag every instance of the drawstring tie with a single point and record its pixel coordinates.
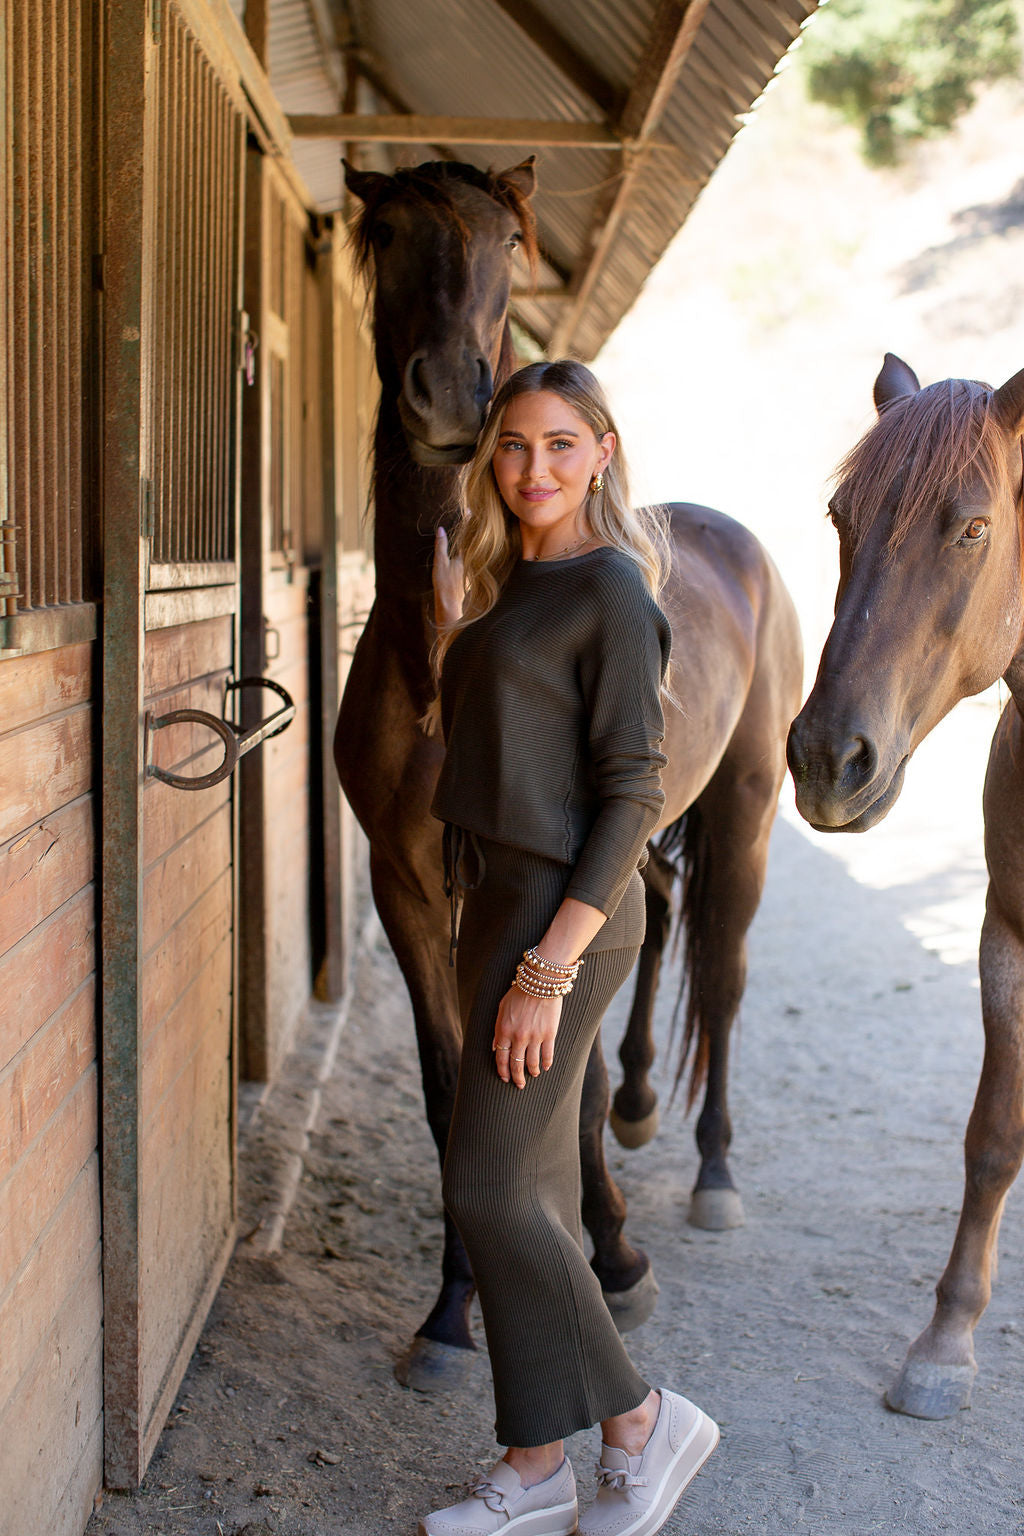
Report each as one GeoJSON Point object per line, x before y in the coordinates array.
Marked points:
{"type": "Point", "coordinates": [455, 843]}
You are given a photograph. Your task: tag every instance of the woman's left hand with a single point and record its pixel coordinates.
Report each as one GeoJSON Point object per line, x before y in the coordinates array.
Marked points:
{"type": "Point", "coordinates": [524, 1035]}
{"type": "Point", "coordinates": [449, 582]}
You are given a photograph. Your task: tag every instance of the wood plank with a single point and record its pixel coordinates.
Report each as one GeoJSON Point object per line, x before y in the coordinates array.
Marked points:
{"type": "Point", "coordinates": [169, 971]}
{"type": "Point", "coordinates": [286, 602]}
{"type": "Point", "coordinates": [185, 1268]}
{"type": "Point", "coordinates": [39, 1182]}
{"type": "Point", "coordinates": [399, 128]}
{"type": "Point", "coordinates": [175, 610]}
{"type": "Point", "coordinates": [195, 1101]}
{"type": "Point", "coordinates": [45, 970]}
{"type": "Point", "coordinates": [79, 1497]}
{"type": "Point", "coordinates": [64, 1253]}
{"type": "Point", "coordinates": [43, 867]}
{"type": "Point", "coordinates": [160, 1401]}
{"type": "Point", "coordinates": [201, 1017]}
{"type": "Point", "coordinates": [171, 815]}
{"type": "Point", "coordinates": [32, 687]}
{"type": "Point", "coordinates": [43, 767]}
{"type": "Point", "coordinates": [174, 884]}
{"type": "Point", "coordinates": [176, 656]}
{"type": "Point", "coordinates": [52, 1463]}
{"type": "Point", "coordinates": [47, 629]}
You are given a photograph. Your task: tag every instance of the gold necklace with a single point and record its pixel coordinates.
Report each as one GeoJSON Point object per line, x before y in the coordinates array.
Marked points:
{"type": "Point", "coordinates": [568, 550]}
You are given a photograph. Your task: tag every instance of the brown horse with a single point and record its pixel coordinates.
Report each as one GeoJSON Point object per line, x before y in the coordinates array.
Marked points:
{"type": "Point", "coordinates": [930, 609]}
{"type": "Point", "coordinates": [436, 242]}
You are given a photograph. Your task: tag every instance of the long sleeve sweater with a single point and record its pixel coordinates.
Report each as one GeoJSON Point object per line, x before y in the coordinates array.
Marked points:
{"type": "Point", "coordinates": [552, 719]}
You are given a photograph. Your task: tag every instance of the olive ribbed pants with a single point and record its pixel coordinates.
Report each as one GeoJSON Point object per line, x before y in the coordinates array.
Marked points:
{"type": "Point", "coordinates": [512, 1170]}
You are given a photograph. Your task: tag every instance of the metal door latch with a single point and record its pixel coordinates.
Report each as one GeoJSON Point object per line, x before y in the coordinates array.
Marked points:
{"type": "Point", "coordinates": [237, 742]}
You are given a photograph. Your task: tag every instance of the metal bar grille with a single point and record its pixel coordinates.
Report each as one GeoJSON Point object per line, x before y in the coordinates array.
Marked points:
{"type": "Point", "coordinates": [46, 205]}
{"type": "Point", "coordinates": [199, 171]}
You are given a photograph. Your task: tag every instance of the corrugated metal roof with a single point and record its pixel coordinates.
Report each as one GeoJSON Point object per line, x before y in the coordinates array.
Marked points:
{"type": "Point", "coordinates": [469, 58]}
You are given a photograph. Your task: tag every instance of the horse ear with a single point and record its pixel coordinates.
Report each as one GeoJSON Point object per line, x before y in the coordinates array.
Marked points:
{"type": "Point", "coordinates": [896, 378]}
{"type": "Point", "coordinates": [522, 178]}
{"type": "Point", "coordinates": [365, 185]}
{"type": "Point", "coordinates": [1009, 403]}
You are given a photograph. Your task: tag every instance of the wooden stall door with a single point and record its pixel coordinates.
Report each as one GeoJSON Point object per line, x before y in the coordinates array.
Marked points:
{"type": "Point", "coordinates": [282, 518]}
{"type": "Point", "coordinates": [175, 133]}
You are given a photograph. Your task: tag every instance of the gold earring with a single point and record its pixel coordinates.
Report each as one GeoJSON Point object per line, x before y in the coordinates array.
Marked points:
{"type": "Point", "coordinates": [597, 484]}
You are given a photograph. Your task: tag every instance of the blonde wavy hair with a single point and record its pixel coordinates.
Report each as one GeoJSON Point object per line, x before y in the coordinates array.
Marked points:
{"type": "Point", "coordinates": [486, 535]}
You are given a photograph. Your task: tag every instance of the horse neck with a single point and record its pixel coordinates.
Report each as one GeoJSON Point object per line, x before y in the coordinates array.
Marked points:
{"type": "Point", "coordinates": [409, 502]}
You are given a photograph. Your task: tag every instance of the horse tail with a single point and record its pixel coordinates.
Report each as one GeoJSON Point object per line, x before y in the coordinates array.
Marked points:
{"type": "Point", "coordinates": [687, 847]}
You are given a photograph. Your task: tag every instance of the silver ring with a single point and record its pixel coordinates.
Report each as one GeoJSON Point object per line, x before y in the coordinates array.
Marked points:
{"type": "Point", "coordinates": [518, 1058]}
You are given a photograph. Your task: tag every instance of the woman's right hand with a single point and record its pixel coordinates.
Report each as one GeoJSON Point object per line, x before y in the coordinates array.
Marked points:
{"type": "Point", "coordinates": [524, 1035]}
{"type": "Point", "coordinates": [449, 582]}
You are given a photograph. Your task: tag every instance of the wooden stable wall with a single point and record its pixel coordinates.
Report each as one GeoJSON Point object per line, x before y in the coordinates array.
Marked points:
{"type": "Point", "coordinates": [126, 523]}
{"type": "Point", "coordinates": [51, 1307]}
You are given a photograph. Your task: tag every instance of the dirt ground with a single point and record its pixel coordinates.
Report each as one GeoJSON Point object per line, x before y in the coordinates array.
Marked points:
{"type": "Point", "coordinates": [854, 1070]}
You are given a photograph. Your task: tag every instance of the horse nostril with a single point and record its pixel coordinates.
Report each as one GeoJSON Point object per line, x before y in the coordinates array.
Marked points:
{"type": "Point", "coordinates": [859, 762]}
{"type": "Point", "coordinates": [417, 391]}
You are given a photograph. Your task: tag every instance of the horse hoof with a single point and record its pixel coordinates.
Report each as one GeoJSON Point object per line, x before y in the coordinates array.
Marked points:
{"type": "Point", "coordinates": [631, 1308]}
{"type": "Point", "coordinates": [634, 1133]}
{"type": "Point", "coordinates": [927, 1389]}
{"type": "Point", "coordinates": [428, 1366]}
{"type": "Point", "coordinates": [716, 1210]}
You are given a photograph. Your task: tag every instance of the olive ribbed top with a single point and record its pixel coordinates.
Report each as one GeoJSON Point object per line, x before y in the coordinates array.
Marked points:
{"type": "Point", "coordinates": [552, 717]}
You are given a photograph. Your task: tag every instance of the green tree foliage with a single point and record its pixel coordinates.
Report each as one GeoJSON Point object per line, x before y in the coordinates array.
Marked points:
{"type": "Point", "coordinates": [906, 69]}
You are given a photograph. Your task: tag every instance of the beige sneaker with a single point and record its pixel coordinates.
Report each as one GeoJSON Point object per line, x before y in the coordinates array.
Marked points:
{"type": "Point", "coordinates": [636, 1494]}
{"type": "Point", "coordinates": [500, 1503]}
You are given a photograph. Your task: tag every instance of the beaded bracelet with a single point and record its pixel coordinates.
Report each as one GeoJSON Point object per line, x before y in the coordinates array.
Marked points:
{"type": "Point", "coordinates": [538, 962]}
{"type": "Point", "coordinates": [533, 986]}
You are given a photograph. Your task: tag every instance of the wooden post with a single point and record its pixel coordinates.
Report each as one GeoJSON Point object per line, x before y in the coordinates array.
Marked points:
{"type": "Point", "coordinates": [257, 29]}
{"type": "Point", "coordinates": [128, 242]}
{"type": "Point", "coordinates": [333, 974]}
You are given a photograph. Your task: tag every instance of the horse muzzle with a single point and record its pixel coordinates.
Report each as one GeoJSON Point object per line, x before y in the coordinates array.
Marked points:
{"type": "Point", "coordinates": [843, 782]}
{"type": "Point", "coordinates": [443, 406]}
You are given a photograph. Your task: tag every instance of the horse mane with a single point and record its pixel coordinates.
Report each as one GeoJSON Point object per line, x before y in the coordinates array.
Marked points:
{"type": "Point", "coordinates": [429, 185]}
{"type": "Point", "coordinates": [923, 445]}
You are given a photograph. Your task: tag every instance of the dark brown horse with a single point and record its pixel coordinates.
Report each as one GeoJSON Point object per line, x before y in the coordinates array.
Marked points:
{"type": "Point", "coordinates": [930, 609]}
{"type": "Point", "coordinates": [436, 242]}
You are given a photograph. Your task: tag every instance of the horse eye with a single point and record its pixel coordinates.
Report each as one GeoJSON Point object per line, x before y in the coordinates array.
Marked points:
{"type": "Point", "coordinates": [383, 234]}
{"type": "Point", "coordinates": [515, 241]}
{"type": "Point", "coordinates": [974, 531]}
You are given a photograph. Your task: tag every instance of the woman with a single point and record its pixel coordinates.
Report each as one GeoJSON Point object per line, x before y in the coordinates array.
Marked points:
{"type": "Point", "coordinates": [552, 653]}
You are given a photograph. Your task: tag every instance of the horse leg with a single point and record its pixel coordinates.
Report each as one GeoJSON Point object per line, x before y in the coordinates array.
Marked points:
{"type": "Point", "coordinates": [625, 1273]}
{"type": "Point", "coordinates": [634, 1112]}
{"type": "Point", "coordinates": [443, 1347]}
{"type": "Point", "coordinates": [727, 839]}
{"type": "Point", "coordinates": [936, 1377]}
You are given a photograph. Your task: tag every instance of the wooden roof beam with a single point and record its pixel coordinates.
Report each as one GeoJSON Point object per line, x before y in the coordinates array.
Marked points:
{"type": "Point", "coordinates": [413, 128]}
{"type": "Point", "coordinates": [532, 22]}
{"type": "Point", "coordinates": [672, 35]}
